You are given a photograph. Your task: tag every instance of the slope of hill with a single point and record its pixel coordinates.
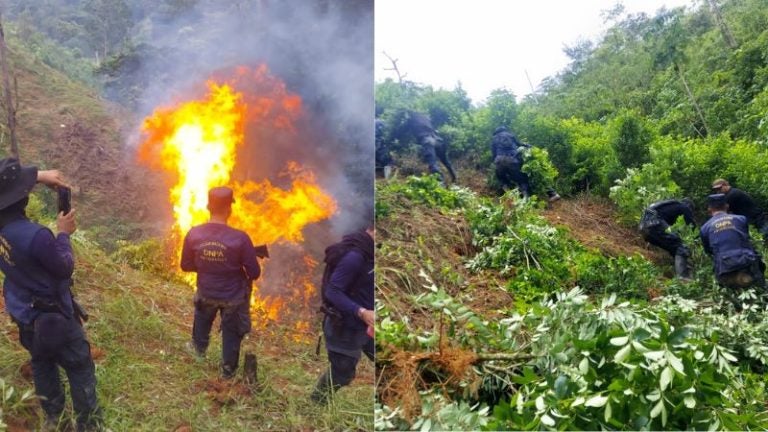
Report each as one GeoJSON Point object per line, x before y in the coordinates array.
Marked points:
{"type": "Point", "coordinates": [492, 317]}
{"type": "Point", "coordinates": [66, 125]}
{"type": "Point", "coordinates": [138, 328]}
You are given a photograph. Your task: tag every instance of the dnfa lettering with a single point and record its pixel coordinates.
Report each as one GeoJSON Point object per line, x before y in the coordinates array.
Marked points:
{"type": "Point", "coordinates": [213, 253]}
{"type": "Point", "coordinates": [723, 224]}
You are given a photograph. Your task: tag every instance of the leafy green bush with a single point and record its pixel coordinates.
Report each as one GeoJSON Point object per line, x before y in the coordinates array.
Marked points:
{"type": "Point", "coordinates": [541, 173]}
{"type": "Point", "coordinates": [579, 365]}
{"type": "Point", "coordinates": [640, 188]}
{"type": "Point", "coordinates": [150, 255]}
{"type": "Point", "coordinates": [426, 190]}
{"type": "Point", "coordinates": [628, 276]}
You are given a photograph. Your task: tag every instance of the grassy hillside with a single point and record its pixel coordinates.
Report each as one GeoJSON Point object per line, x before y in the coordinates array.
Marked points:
{"type": "Point", "coordinates": [147, 380]}
{"type": "Point", "coordinates": [66, 125]}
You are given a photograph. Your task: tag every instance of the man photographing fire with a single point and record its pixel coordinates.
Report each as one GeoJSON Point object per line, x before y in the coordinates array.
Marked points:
{"type": "Point", "coordinates": [225, 261]}
{"type": "Point", "coordinates": [38, 270]}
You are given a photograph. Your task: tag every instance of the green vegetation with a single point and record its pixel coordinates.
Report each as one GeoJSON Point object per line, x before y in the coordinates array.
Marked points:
{"type": "Point", "coordinates": [681, 98]}
{"type": "Point", "coordinates": [139, 326]}
{"type": "Point", "coordinates": [491, 317]}
{"type": "Point", "coordinates": [580, 340]}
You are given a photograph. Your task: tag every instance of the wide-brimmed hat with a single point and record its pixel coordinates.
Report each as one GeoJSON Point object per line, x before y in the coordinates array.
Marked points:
{"type": "Point", "coordinates": [16, 181]}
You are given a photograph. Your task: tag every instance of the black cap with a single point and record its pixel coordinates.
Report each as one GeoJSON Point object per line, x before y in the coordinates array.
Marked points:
{"type": "Point", "coordinates": [220, 197]}
{"type": "Point", "coordinates": [716, 200]}
{"type": "Point", "coordinates": [499, 130]}
{"type": "Point", "coordinates": [16, 181]}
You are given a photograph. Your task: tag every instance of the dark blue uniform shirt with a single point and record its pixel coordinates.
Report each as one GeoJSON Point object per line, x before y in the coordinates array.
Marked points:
{"type": "Point", "coordinates": [505, 144]}
{"type": "Point", "coordinates": [726, 237]}
{"type": "Point", "coordinates": [36, 265]}
{"type": "Point", "coordinates": [351, 287]}
{"type": "Point", "coordinates": [740, 203]}
{"type": "Point", "coordinates": [670, 210]}
{"type": "Point", "coordinates": [224, 259]}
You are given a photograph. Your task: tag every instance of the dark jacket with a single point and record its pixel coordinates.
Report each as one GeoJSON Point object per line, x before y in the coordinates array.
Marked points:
{"type": "Point", "coordinates": [36, 265]}
{"type": "Point", "coordinates": [420, 125]}
{"type": "Point", "coordinates": [740, 203]}
{"type": "Point", "coordinates": [726, 238]}
{"type": "Point", "coordinates": [224, 259]}
{"type": "Point", "coordinates": [351, 287]}
{"type": "Point", "coordinates": [670, 210]}
{"type": "Point", "coordinates": [505, 144]}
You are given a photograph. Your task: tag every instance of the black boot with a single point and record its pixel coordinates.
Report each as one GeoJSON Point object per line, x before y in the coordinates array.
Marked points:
{"type": "Point", "coordinates": [323, 389]}
{"type": "Point", "coordinates": [682, 268]}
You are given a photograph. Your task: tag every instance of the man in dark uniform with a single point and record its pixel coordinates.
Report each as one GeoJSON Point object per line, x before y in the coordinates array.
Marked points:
{"type": "Point", "coordinates": [383, 157]}
{"type": "Point", "coordinates": [740, 203]}
{"type": "Point", "coordinates": [507, 155]}
{"type": "Point", "coordinates": [725, 237]}
{"type": "Point", "coordinates": [653, 226]}
{"type": "Point", "coordinates": [350, 292]}
{"type": "Point", "coordinates": [38, 270]}
{"type": "Point", "coordinates": [432, 145]}
{"type": "Point", "coordinates": [225, 261]}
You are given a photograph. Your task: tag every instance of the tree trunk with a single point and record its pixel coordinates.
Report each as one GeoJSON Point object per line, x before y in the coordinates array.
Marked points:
{"type": "Point", "coordinates": [10, 108]}
{"type": "Point", "coordinates": [693, 100]}
{"type": "Point", "coordinates": [727, 35]}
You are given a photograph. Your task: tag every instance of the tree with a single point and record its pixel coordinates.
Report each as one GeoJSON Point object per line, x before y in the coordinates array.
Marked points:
{"type": "Point", "coordinates": [670, 40]}
{"type": "Point", "coordinates": [111, 20]}
{"type": "Point", "coordinates": [632, 141]}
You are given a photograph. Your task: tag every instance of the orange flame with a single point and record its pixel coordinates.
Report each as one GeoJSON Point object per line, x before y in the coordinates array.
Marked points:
{"type": "Point", "coordinates": [198, 142]}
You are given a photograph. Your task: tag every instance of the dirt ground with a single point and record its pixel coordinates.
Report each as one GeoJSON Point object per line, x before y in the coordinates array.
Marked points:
{"type": "Point", "coordinates": [590, 220]}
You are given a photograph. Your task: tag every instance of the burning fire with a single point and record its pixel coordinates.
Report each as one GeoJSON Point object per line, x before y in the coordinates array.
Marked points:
{"type": "Point", "coordinates": [198, 142]}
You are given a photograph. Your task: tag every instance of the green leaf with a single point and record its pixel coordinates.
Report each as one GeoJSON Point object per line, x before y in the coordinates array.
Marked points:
{"type": "Point", "coordinates": [689, 401]}
{"type": "Point", "coordinates": [608, 412]}
{"type": "Point", "coordinates": [675, 362]}
{"type": "Point", "coordinates": [561, 386]}
{"type": "Point", "coordinates": [666, 378]}
{"type": "Point", "coordinates": [622, 353]}
{"type": "Point", "coordinates": [657, 409]}
{"type": "Point", "coordinates": [728, 356]}
{"type": "Point", "coordinates": [578, 401]}
{"type": "Point", "coordinates": [641, 334]}
{"type": "Point", "coordinates": [620, 341]}
{"type": "Point", "coordinates": [584, 366]}
{"type": "Point", "coordinates": [596, 401]}
{"type": "Point", "coordinates": [654, 395]}
{"type": "Point", "coordinates": [654, 355]}
{"type": "Point", "coordinates": [426, 426]}
{"type": "Point", "coordinates": [547, 420]}
{"type": "Point", "coordinates": [678, 336]}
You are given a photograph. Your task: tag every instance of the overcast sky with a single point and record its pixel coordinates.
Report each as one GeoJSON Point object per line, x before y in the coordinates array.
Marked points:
{"type": "Point", "coordinates": [488, 44]}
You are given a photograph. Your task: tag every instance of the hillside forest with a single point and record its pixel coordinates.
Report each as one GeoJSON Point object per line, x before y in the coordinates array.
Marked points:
{"type": "Point", "coordinates": [500, 313]}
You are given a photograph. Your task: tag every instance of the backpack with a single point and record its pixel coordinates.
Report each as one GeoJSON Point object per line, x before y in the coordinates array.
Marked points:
{"type": "Point", "coordinates": [333, 254]}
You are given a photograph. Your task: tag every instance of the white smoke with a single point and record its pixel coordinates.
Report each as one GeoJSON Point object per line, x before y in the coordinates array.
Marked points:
{"type": "Point", "coordinates": [322, 50]}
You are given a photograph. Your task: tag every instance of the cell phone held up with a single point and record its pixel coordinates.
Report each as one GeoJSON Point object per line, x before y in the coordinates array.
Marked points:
{"type": "Point", "coordinates": [65, 199]}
